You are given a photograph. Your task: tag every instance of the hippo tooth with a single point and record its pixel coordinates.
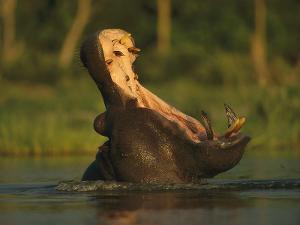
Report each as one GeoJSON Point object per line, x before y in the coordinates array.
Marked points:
{"type": "Point", "coordinates": [118, 53]}
{"type": "Point", "coordinates": [230, 114]}
{"type": "Point", "coordinates": [126, 40]}
{"type": "Point", "coordinates": [235, 127]}
{"type": "Point", "coordinates": [134, 50]}
{"type": "Point", "coordinates": [235, 123]}
{"type": "Point", "coordinates": [108, 61]}
{"type": "Point", "coordinates": [114, 41]}
{"type": "Point", "coordinates": [207, 125]}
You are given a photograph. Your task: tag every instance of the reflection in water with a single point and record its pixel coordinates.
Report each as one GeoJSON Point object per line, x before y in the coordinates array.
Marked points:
{"type": "Point", "coordinates": [28, 196]}
{"type": "Point", "coordinates": [194, 208]}
{"type": "Point", "coordinates": [40, 204]}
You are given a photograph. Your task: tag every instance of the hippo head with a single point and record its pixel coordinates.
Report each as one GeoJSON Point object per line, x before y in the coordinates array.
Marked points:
{"type": "Point", "coordinates": [150, 141]}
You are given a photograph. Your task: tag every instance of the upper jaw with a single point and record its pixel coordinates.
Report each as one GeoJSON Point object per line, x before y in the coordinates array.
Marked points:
{"type": "Point", "coordinates": [109, 58]}
{"type": "Point", "coordinates": [100, 55]}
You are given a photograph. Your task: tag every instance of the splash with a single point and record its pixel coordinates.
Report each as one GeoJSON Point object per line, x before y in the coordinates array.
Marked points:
{"type": "Point", "coordinates": [86, 186]}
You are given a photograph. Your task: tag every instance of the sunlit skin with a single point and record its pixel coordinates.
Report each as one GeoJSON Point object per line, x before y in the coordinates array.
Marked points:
{"type": "Point", "coordinates": [150, 141]}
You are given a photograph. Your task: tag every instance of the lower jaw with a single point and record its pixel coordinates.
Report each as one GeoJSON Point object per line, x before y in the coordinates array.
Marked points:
{"type": "Point", "coordinates": [233, 140]}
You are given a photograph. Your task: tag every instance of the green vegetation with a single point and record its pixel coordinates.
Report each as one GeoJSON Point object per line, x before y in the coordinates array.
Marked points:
{"type": "Point", "coordinates": [210, 42]}
{"type": "Point", "coordinates": [42, 119]}
{"type": "Point", "coordinates": [272, 115]}
{"type": "Point", "coordinates": [57, 120]}
{"type": "Point", "coordinates": [245, 53]}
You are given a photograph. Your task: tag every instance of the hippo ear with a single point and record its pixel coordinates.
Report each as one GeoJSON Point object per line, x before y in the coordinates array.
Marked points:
{"type": "Point", "coordinates": [146, 147]}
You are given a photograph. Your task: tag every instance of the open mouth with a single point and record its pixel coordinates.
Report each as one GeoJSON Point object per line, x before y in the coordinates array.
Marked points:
{"type": "Point", "coordinates": [109, 56]}
{"type": "Point", "coordinates": [150, 140]}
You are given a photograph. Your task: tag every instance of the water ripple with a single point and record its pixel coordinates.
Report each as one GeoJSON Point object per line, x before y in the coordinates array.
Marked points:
{"type": "Point", "coordinates": [86, 186]}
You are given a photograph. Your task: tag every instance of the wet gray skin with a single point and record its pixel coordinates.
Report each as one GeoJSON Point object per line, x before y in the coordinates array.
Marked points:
{"type": "Point", "coordinates": [147, 143]}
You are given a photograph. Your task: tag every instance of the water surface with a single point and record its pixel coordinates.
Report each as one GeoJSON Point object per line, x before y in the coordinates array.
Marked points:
{"type": "Point", "coordinates": [28, 196]}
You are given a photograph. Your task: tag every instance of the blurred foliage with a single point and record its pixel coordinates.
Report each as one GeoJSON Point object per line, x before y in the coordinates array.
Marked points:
{"type": "Point", "coordinates": [210, 41]}
{"type": "Point", "coordinates": [49, 120]}
{"type": "Point", "coordinates": [57, 119]}
{"type": "Point", "coordinates": [209, 63]}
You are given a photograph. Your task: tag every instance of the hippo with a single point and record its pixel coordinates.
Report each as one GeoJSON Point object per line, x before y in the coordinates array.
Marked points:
{"type": "Point", "coordinates": [150, 141]}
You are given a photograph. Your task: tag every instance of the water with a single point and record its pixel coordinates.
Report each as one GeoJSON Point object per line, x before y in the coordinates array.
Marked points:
{"type": "Point", "coordinates": [28, 196]}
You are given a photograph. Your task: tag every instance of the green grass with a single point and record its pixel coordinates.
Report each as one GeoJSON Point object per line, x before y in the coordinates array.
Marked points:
{"type": "Point", "coordinates": [45, 120]}
{"type": "Point", "coordinates": [272, 114]}
{"type": "Point", "coordinates": [57, 120]}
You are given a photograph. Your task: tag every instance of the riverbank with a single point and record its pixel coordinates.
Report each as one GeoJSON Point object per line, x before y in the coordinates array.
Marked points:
{"type": "Point", "coordinates": [39, 119]}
